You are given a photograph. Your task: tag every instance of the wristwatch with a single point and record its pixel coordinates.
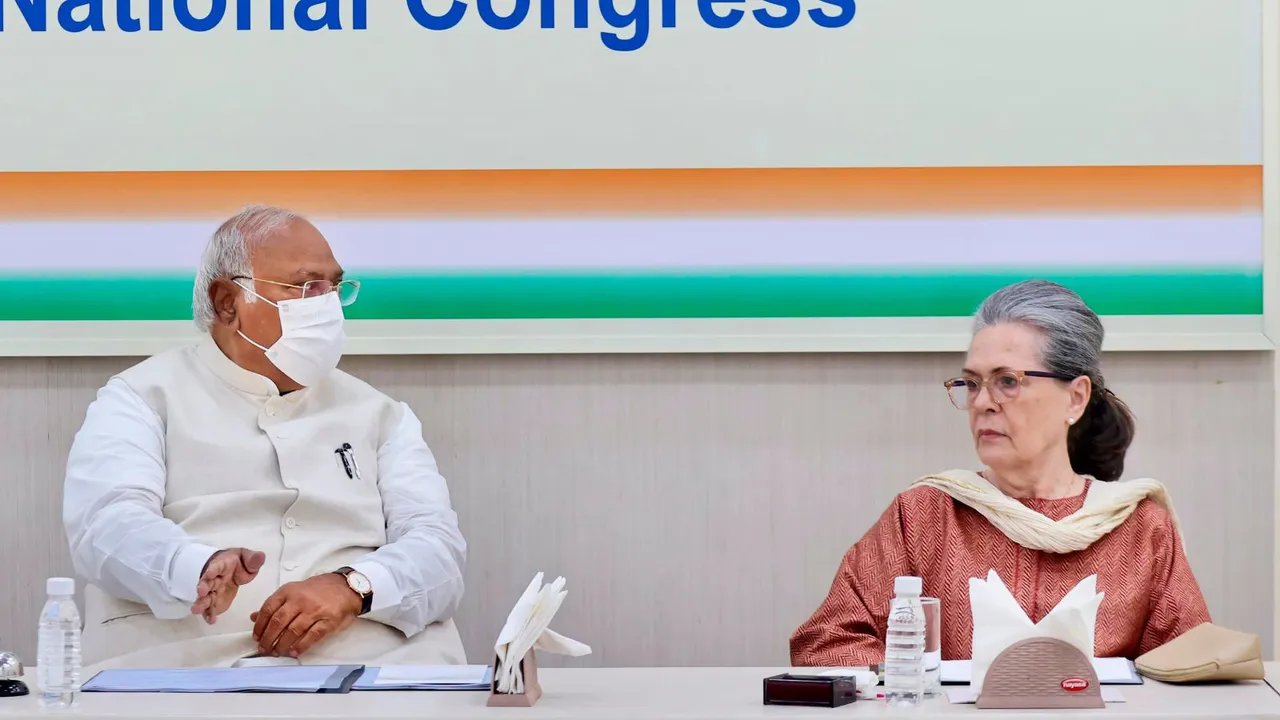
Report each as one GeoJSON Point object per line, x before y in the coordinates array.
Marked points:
{"type": "Point", "coordinates": [360, 585]}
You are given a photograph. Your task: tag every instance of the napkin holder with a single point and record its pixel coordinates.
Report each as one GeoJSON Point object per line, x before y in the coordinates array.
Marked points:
{"type": "Point", "coordinates": [1040, 674]}
{"type": "Point", "coordinates": [532, 690]}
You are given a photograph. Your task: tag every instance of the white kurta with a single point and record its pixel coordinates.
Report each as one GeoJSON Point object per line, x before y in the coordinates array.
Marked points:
{"type": "Point", "coordinates": [187, 452]}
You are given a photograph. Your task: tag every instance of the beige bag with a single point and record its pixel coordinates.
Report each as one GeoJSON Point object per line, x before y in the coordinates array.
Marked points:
{"type": "Point", "coordinates": [1205, 653]}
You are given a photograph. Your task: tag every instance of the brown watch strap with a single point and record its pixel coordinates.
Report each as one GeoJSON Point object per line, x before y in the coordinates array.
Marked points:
{"type": "Point", "coordinates": [366, 599]}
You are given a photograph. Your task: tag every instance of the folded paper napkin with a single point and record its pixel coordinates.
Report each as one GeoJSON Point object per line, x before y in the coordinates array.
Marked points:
{"type": "Point", "coordinates": [866, 681]}
{"type": "Point", "coordinates": [1203, 653]}
{"type": "Point", "coordinates": [998, 621]}
{"type": "Point", "coordinates": [526, 629]}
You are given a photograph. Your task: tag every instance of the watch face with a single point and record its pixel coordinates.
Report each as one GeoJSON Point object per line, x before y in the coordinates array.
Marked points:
{"type": "Point", "coordinates": [359, 583]}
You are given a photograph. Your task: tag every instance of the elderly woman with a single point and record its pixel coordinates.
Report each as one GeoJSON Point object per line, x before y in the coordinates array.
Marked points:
{"type": "Point", "coordinates": [1045, 514]}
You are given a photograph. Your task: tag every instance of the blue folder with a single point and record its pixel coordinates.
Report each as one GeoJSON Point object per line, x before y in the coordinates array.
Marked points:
{"type": "Point", "coordinates": [276, 679]}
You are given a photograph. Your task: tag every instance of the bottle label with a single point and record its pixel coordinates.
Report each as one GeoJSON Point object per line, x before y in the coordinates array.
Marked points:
{"type": "Point", "coordinates": [904, 615]}
{"type": "Point", "coordinates": [907, 612]}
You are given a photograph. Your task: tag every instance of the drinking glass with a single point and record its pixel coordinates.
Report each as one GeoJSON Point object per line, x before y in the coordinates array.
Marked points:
{"type": "Point", "coordinates": [932, 646]}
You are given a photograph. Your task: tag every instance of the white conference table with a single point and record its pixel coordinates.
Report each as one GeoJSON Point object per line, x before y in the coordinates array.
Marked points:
{"type": "Point", "coordinates": [636, 693]}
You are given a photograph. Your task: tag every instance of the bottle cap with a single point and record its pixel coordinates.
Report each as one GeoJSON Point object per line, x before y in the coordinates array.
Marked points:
{"type": "Point", "coordinates": [907, 585]}
{"type": "Point", "coordinates": [60, 586]}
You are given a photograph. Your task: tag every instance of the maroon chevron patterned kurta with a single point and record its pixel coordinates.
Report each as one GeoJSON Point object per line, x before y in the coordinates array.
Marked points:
{"type": "Point", "coordinates": [1150, 598]}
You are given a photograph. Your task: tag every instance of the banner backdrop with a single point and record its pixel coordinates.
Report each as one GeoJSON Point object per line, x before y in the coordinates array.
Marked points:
{"type": "Point", "coordinates": [863, 174]}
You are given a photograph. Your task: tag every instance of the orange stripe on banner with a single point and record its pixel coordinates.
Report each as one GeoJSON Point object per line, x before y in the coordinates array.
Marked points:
{"type": "Point", "coordinates": [434, 193]}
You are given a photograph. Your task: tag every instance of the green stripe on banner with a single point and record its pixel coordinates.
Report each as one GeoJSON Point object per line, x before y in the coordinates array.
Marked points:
{"type": "Point", "coordinates": [385, 296]}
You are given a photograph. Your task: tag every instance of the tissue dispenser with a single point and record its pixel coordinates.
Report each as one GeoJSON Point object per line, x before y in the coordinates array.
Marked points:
{"type": "Point", "coordinates": [532, 690]}
{"type": "Point", "coordinates": [1040, 674]}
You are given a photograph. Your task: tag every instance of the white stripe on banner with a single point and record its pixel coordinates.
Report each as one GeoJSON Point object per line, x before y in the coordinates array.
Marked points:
{"type": "Point", "coordinates": [1226, 240]}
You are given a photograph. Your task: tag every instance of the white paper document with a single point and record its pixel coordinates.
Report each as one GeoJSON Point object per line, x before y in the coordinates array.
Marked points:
{"type": "Point", "coordinates": [1111, 671]}
{"type": "Point", "coordinates": [432, 674]}
{"type": "Point", "coordinates": [426, 677]}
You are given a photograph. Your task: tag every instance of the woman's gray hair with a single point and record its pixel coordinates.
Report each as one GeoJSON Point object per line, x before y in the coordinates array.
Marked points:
{"type": "Point", "coordinates": [229, 254]}
{"type": "Point", "coordinates": [1071, 345]}
{"type": "Point", "coordinates": [1072, 332]}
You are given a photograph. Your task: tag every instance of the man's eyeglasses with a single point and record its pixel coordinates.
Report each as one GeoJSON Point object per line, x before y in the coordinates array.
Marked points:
{"type": "Point", "coordinates": [347, 289]}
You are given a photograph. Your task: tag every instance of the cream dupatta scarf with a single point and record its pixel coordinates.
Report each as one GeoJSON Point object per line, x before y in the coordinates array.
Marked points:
{"type": "Point", "coordinates": [1106, 506]}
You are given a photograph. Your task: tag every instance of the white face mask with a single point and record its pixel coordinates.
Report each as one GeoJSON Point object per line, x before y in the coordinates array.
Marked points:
{"type": "Point", "coordinates": [311, 337]}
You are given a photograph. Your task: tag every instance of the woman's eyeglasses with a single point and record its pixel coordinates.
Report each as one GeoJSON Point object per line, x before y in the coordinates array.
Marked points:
{"type": "Point", "coordinates": [1003, 386]}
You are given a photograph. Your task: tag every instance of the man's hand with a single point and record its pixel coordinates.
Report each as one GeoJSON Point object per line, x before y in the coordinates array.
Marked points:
{"type": "Point", "coordinates": [301, 614]}
{"type": "Point", "coordinates": [223, 575]}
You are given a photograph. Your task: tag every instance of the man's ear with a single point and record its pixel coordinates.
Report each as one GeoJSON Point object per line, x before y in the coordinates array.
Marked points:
{"type": "Point", "coordinates": [223, 293]}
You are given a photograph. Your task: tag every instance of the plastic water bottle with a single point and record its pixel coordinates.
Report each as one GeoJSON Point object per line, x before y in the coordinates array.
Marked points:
{"type": "Point", "coordinates": [58, 646]}
{"type": "Point", "coordinates": [904, 645]}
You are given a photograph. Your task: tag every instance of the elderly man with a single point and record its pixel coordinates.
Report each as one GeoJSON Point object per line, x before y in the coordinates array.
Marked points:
{"type": "Point", "coordinates": [243, 498]}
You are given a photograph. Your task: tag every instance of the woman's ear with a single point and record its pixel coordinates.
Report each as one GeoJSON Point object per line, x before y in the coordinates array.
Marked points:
{"type": "Point", "coordinates": [1079, 392]}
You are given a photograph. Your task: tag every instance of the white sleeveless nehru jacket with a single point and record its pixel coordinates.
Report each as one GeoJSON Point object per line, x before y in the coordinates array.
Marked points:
{"type": "Point", "coordinates": [186, 453]}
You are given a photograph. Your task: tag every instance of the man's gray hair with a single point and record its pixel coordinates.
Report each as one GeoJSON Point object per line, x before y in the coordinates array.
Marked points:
{"type": "Point", "coordinates": [1072, 332]}
{"type": "Point", "coordinates": [229, 254]}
